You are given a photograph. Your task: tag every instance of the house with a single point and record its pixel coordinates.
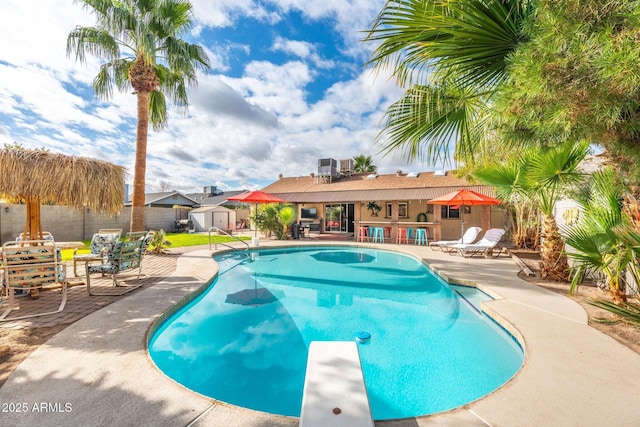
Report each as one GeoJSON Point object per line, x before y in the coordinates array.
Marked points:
{"type": "Point", "coordinates": [166, 200]}
{"type": "Point", "coordinates": [212, 196]}
{"type": "Point", "coordinates": [340, 202]}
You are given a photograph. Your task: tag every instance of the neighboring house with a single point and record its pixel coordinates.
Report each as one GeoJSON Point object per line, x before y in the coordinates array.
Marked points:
{"type": "Point", "coordinates": [340, 202]}
{"type": "Point", "coordinates": [166, 200]}
{"type": "Point", "coordinates": [214, 197]}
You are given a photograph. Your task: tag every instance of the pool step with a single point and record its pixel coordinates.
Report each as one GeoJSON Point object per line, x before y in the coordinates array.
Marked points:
{"type": "Point", "coordinates": [334, 390]}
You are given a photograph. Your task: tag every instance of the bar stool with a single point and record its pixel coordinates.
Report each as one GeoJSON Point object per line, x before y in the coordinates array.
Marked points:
{"type": "Point", "coordinates": [387, 232]}
{"type": "Point", "coordinates": [378, 235]}
{"type": "Point", "coordinates": [402, 235]}
{"type": "Point", "coordinates": [421, 237]}
{"type": "Point", "coordinates": [409, 230]}
{"type": "Point", "coordinates": [364, 234]}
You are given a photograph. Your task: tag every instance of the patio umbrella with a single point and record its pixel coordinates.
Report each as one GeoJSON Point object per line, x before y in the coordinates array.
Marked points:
{"type": "Point", "coordinates": [38, 176]}
{"type": "Point", "coordinates": [256, 197]}
{"type": "Point", "coordinates": [462, 198]}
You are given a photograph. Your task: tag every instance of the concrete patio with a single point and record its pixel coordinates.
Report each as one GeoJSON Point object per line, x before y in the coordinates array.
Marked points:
{"type": "Point", "coordinates": [97, 372]}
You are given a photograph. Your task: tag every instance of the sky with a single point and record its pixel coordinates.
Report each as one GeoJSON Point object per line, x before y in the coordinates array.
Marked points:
{"type": "Point", "coordinates": [288, 85]}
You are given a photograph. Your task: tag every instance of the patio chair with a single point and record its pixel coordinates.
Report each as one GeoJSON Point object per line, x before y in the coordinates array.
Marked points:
{"type": "Point", "coordinates": [468, 237]}
{"type": "Point", "coordinates": [123, 256]}
{"type": "Point", "coordinates": [32, 265]}
{"type": "Point", "coordinates": [100, 244]}
{"type": "Point", "coordinates": [485, 246]}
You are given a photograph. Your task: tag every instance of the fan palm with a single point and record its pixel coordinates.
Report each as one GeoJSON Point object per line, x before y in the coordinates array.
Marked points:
{"type": "Point", "coordinates": [363, 163]}
{"type": "Point", "coordinates": [511, 185]}
{"type": "Point", "coordinates": [140, 42]}
{"type": "Point", "coordinates": [598, 241]}
{"type": "Point", "coordinates": [452, 54]}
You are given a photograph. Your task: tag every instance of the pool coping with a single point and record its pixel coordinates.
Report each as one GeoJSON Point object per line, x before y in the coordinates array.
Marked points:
{"type": "Point", "coordinates": [98, 372]}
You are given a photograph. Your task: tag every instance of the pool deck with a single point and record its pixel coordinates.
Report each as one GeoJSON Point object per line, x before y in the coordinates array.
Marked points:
{"type": "Point", "coordinates": [96, 372]}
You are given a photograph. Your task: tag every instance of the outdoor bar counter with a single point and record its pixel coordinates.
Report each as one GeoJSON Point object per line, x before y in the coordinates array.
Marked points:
{"type": "Point", "coordinates": [434, 229]}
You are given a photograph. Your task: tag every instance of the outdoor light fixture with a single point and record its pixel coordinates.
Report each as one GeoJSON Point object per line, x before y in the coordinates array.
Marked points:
{"type": "Point", "coordinates": [6, 209]}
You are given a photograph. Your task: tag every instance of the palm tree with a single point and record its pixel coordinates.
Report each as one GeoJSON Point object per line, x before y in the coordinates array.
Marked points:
{"type": "Point", "coordinates": [602, 242]}
{"type": "Point", "coordinates": [452, 55]}
{"type": "Point", "coordinates": [363, 163]}
{"type": "Point", "coordinates": [534, 180]}
{"type": "Point", "coordinates": [140, 40]}
{"type": "Point", "coordinates": [509, 180]}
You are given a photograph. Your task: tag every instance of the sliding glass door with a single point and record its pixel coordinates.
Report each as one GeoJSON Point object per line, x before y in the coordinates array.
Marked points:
{"type": "Point", "coordinates": [338, 218]}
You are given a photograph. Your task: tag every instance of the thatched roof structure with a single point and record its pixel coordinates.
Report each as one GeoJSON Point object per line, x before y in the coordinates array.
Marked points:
{"type": "Point", "coordinates": [35, 177]}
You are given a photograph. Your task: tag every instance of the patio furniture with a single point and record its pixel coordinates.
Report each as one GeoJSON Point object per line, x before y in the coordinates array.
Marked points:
{"type": "Point", "coordinates": [100, 244]}
{"type": "Point", "coordinates": [402, 235]}
{"type": "Point", "coordinates": [485, 246]}
{"type": "Point", "coordinates": [468, 238]}
{"type": "Point", "coordinates": [123, 256]}
{"type": "Point", "coordinates": [421, 237]}
{"type": "Point", "coordinates": [378, 235]}
{"type": "Point", "coordinates": [364, 234]}
{"type": "Point", "coordinates": [32, 265]}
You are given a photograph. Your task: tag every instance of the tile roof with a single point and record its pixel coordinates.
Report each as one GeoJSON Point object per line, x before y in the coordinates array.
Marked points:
{"type": "Point", "coordinates": [364, 186]}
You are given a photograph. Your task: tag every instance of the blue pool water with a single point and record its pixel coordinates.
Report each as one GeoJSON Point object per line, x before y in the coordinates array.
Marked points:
{"type": "Point", "coordinates": [245, 340]}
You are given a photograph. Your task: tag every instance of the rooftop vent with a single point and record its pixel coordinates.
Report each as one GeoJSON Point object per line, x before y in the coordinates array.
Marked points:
{"type": "Point", "coordinates": [440, 173]}
{"type": "Point", "coordinates": [372, 176]}
{"type": "Point", "coordinates": [412, 175]}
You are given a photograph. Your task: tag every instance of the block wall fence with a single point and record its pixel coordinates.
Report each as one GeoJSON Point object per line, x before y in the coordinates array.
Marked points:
{"type": "Point", "coordinates": [69, 224]}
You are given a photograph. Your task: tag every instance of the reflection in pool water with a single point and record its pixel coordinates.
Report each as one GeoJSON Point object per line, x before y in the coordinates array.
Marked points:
{"type": "Point", "coordinates": [428, 352]}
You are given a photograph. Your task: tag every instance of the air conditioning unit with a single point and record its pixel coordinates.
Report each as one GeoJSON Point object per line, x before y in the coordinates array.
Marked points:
{"type": "Point", "coordinates": [327, 167]}
{"type": "Point", "coordinates": [346, 166]}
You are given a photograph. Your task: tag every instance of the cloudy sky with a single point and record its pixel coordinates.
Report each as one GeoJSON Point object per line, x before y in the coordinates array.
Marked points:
{"type": "Point", "coordinates": [287, 86]}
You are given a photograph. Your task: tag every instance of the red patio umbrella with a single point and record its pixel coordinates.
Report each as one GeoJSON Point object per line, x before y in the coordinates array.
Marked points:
{"type": "Point", "coordinates": [464, 197]}
{"type": "Point", "coordinates": [256, 197]}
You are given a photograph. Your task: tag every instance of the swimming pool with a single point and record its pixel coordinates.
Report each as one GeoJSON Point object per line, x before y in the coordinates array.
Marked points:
{"type": "Point", "coordinates": [244, 341]}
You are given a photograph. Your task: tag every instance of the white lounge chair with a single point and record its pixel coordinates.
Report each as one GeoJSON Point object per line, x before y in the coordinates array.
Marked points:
{"type": "Point", "coordinates": [486, 245]}
{"type": "Point", "coordinates": [468, 237]}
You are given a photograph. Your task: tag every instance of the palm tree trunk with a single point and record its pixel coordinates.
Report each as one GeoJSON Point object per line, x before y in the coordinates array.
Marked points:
{"type": "Point", "coordinates": [554, 265]}
{"type": "Point", "coordinates": [138, 198]}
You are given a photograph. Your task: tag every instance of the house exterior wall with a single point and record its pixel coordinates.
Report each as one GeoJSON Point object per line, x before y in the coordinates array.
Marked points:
{"type": "Point", "coordinates": [69, 224]}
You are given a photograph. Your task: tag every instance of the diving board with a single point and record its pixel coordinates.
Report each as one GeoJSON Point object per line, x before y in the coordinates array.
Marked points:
{"type": "Point", "coordinates": [334, 391]}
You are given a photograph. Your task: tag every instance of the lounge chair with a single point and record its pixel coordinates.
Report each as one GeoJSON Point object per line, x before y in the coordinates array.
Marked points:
{"type": "Point", "coordinates": [32, 265]}
{"type": "Point", "coordinates": [485, 246]}
{"type": "Point", "coordinates": [468, 238]}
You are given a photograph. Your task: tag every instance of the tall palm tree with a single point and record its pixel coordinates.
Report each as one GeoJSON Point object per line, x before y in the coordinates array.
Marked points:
{"type": "Point", "coordinates": [363, 163]}
{"type": "Point", "coordinates": [140, 42]}
{"type": "Point", "coordinates": [452, 56]}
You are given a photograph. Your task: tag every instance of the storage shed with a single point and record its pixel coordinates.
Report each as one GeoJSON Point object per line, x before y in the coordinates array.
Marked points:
{"type": "Point", "coordinates": [213, 216]}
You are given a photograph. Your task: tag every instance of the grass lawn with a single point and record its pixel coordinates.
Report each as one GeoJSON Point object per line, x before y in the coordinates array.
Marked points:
{"type": "Point", "coordinates": [177, 240]}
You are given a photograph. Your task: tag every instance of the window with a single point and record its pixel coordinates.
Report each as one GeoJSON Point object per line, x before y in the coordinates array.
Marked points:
{"type": "Point", "coordinates": [403, 211]}
{"type": "Point", "coordinates": [389, 210]}
{"type": "Point", "coordinates": [450, 212]}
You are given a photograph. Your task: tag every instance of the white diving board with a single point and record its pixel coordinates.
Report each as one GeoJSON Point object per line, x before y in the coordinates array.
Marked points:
{"type": "Point", "coordinates": [334, 390]}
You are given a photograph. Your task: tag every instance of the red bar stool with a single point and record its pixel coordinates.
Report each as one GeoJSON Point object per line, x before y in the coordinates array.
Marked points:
{"type": "Point", "coordinates": [402, 235]}
{"type": "Point", "coordinates": [364, 234]}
